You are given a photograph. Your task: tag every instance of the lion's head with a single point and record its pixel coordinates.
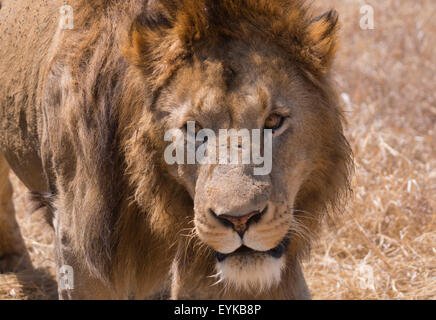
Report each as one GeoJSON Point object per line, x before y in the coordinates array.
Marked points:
{"type": "Point", "coordinates": [238, 64]}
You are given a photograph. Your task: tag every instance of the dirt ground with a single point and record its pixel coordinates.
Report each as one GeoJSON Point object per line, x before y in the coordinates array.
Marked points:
{"type": "Point", "coordinates": [384, 244]}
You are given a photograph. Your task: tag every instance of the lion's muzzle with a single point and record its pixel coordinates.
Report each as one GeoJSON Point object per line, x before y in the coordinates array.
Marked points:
{"type": "Point", "coordinates": [239, 223]}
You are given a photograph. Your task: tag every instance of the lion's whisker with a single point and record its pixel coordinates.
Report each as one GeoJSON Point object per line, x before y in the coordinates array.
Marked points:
{"type": "Point", "coordinates": [217, 282]}
{"type": "Point", "coordinates": [216, 275]}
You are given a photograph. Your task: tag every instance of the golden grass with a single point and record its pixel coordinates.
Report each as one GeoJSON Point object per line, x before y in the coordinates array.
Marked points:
{"type": "Point", "coordinates": [384, 244]}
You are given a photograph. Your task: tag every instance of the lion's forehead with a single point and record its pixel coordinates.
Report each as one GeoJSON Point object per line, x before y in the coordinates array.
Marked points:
{"type": "Point", "coordinates": [207, 91]}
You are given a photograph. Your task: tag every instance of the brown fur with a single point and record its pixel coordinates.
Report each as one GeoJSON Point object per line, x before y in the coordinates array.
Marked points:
{"type": "Point", "coordinates": [94, 130]}
{"type": "Point", "coordinates": [12, 250]}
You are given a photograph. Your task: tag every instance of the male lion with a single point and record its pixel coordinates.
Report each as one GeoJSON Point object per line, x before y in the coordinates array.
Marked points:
{"type": "Point", "coordinates": [83, 114]}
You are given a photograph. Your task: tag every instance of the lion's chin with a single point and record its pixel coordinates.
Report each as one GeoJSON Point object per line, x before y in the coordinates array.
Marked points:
{"type": "Point", "coordinates": [252, 273]}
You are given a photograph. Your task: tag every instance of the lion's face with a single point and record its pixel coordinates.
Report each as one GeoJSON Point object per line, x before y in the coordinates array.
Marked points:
{"type": "Point", "coordinates": [247, 219]}
{"type": "Point", "coordinates": [216, 65]}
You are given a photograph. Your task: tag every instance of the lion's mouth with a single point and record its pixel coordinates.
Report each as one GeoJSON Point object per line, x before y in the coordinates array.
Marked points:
{"type": "Point", "coordinates": [243, 250]}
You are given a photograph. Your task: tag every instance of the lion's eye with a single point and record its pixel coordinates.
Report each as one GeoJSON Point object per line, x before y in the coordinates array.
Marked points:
{"type": "Point", "coordinates": [192, 125]}
{"type": "Point", "coordinates": [274, 121]}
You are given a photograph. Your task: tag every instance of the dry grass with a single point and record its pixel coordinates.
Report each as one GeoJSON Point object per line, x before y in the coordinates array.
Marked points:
{"type": "Point", "coordinates": [384, 245]}
{"type": "Point", "coordinates": [38, 236]}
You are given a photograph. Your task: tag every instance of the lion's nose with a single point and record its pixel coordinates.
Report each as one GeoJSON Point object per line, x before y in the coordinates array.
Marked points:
{"type": "Point", "coordinates": [240, 223]}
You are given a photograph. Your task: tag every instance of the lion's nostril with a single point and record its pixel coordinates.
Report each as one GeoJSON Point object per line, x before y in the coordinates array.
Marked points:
{"type": "Point", "coordinates": [225, 222]}
{"type": "Point", "coordinates": [240, 223]}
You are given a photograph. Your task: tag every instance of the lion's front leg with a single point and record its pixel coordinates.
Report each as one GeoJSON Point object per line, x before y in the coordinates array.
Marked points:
{"type": "Point", "coordinates": [13, 254]}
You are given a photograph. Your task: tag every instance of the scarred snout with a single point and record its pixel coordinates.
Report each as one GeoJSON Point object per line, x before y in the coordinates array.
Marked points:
{"type": "Point", "coordinates": [234, 191]}
{"type": "Point", "coordinates": [236, 197]}
{"type": "Point", "coordinates": [229, 201]}
{"type": "Point", "coordinates": [236, 216]}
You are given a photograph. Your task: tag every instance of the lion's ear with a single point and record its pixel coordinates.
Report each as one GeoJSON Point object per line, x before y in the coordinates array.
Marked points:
{"type": "Point", "coordinates": [322, 39]}
{"type": "Point", "coordinates": [145, 32]}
